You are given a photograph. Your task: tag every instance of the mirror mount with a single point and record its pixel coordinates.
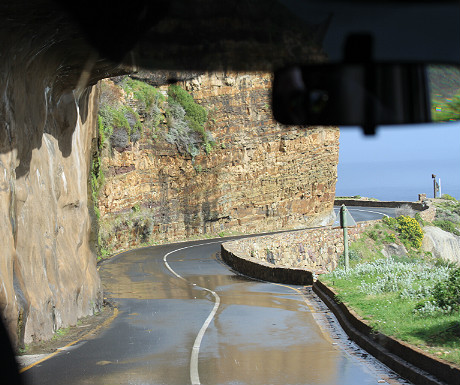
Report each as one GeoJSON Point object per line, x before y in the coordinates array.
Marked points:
{"type": "Point", "coordinates": [359, 48]}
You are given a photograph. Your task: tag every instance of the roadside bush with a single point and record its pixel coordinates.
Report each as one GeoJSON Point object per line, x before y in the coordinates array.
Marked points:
{"type": "Point", "coordinates": [120, 118]}
{"type": "Point", "coordinates": [405, 210]}
{"type": "Point", "coordinates": [446, 293]}
{"type": "Point", "coordinates": [180, 133]}
{"type": "Point", "coordinates": [448, 197]}
{"type": "Point", "coordinates": [353, 256]}
{"type": "Point", "coordinates": [149, 100]}
{"type": "Point", "coordinates": [391, 222]}
{"type": "Point", "coordinates": [448, 210]}
{"type": "Point", "coordinates": [410, 231]}
{"type": "Point", "coordinates": [447, 226]}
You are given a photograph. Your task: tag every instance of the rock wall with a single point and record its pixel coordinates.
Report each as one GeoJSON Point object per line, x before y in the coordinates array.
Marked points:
{"type": "Point", "coordinates": [315, 250]}
{"type": "Point", "coordinates": [48, 273]}
{"type": "Point", "coordinates": [260, 176]}
{"type": "Point", "coordinates": [48, 269]}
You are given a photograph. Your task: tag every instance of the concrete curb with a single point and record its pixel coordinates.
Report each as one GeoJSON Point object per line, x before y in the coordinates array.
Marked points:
{"type": "Point", "coordinates": [404, 359]}
{"type": "Point", "coordinates": [264, 271]}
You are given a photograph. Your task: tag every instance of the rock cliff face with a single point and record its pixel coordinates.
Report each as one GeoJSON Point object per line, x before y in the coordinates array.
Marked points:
{"type": "Point", "coordinates": [260, 176]}
{"type": "Point", "coordinates": [47, 268]}
{"type": "Point", "coordinates": [48, 272]}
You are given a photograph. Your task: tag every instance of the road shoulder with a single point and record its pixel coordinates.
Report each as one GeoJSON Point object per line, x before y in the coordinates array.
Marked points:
{"type": "Point", "coordinates": [86, 328]}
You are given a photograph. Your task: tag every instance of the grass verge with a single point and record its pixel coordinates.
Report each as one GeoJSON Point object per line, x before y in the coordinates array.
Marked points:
{"type": "Point", "coordinates": [397, 298]}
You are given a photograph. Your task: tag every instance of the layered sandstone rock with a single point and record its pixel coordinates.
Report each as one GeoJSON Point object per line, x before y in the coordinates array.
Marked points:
{"type": "Point", "coordinates": [260, 175]}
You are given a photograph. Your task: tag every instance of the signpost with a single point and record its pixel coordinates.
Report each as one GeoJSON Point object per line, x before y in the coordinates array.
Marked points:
{"type": "Point", "coordinates": [346, 220]}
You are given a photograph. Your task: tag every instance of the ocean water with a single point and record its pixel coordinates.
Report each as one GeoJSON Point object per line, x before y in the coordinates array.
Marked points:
{"type": "Point", "coordinates": [397, 180]}
{"type": "Point", "coordinates": [397, 163]}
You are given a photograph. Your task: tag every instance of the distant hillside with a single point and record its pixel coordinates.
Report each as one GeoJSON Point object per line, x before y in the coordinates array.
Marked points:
{"type": "Point", "coordinates": [444, 81]}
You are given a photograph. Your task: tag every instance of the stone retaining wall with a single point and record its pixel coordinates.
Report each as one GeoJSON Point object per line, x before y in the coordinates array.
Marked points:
{"type": "Point", "coordinates": [316, 250]}
{"type": "Point", "coordinates": [418, 206]}
{"type": "Point", "coordinates": [426, 209]}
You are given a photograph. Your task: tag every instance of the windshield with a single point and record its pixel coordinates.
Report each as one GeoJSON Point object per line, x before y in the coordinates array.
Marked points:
{"type": "Point", "coordinates": [160, 226]}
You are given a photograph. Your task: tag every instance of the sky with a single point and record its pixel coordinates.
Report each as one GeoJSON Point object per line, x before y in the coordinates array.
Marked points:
{"type": "Point", "coordinates": [398, 163]}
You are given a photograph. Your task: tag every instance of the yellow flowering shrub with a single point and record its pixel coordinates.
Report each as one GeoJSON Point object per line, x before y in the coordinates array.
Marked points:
{"type": "Point", "coordinates": [410, 231]}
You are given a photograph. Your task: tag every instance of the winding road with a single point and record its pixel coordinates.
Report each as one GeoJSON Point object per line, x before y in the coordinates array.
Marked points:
{"type": "Point", "coordinates": [361, 214]}
{"type": "Point", "coordinates": [187, 318]}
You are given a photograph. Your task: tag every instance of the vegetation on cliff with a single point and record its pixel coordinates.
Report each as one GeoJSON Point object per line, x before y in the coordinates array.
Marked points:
{"type": "Point", "coordinates": [401, 290]}
{"type": "Point", "coordinates": [186, 123]}
{"type": "Point", "coordinates": [130, 111]}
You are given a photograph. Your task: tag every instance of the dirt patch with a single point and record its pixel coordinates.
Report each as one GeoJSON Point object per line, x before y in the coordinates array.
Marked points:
{"type": "Point", "coordinates": [86, 328]}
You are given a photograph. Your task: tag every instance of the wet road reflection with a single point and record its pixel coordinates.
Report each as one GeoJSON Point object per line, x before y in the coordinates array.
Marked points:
{"type": "Point", "coordinates": [262, 333]}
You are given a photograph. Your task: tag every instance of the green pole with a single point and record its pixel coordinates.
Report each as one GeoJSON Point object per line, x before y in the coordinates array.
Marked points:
{"type": "Point", "coordinates": [343, 217]}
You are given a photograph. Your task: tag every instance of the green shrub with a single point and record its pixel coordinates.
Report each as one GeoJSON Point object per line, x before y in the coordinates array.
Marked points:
{"type": "Point", "coordinates": [113, 120]}
{"type": "Point", "coordinates": [195, 114]}
{"type": "Point", "coordinates": [410, 231]}
{"type": "Point", "coordinates": [391, 222]}
{"type": "Point", "coordinates": [208, 147]}
{"type": "Point", "coordinates": [144, 93]}
{"type": "Point", "coordinates": [448, 197]}
{"type": "Point", "coordinates": [373, 234]}
{"type": "Point", "coordinates": [353, 257]}
{"type": "Point", "coordinates": [186, 120]}
{"type": "Point", "coordinates": [420, 220]}
{"type": "Point", "coordinates": [389, 238]}
{"type": "Point", "coordinates": [446, 293]}
{"type": "Point", "coordinates": [446, 226]}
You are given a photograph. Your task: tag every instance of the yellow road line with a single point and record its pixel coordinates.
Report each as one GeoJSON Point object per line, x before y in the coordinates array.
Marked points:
{"type": "Point", "coordinates": [97, 328]}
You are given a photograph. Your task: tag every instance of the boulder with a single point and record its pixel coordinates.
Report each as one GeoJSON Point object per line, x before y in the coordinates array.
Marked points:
{"type": "Point", "coordinates": [441, 244]}
{"type": "Point", "coordinates": [393, 249]}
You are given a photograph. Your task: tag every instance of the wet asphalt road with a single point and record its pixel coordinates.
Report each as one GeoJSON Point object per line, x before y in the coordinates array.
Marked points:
{"type": "Point", "coordinates": [361, 214]}
{"type": "Point", "coordinates": [256, 332]}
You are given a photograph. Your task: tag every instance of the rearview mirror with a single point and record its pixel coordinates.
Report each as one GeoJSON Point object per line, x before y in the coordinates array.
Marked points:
{"type": "Point", "coordinates": [366, 94]}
